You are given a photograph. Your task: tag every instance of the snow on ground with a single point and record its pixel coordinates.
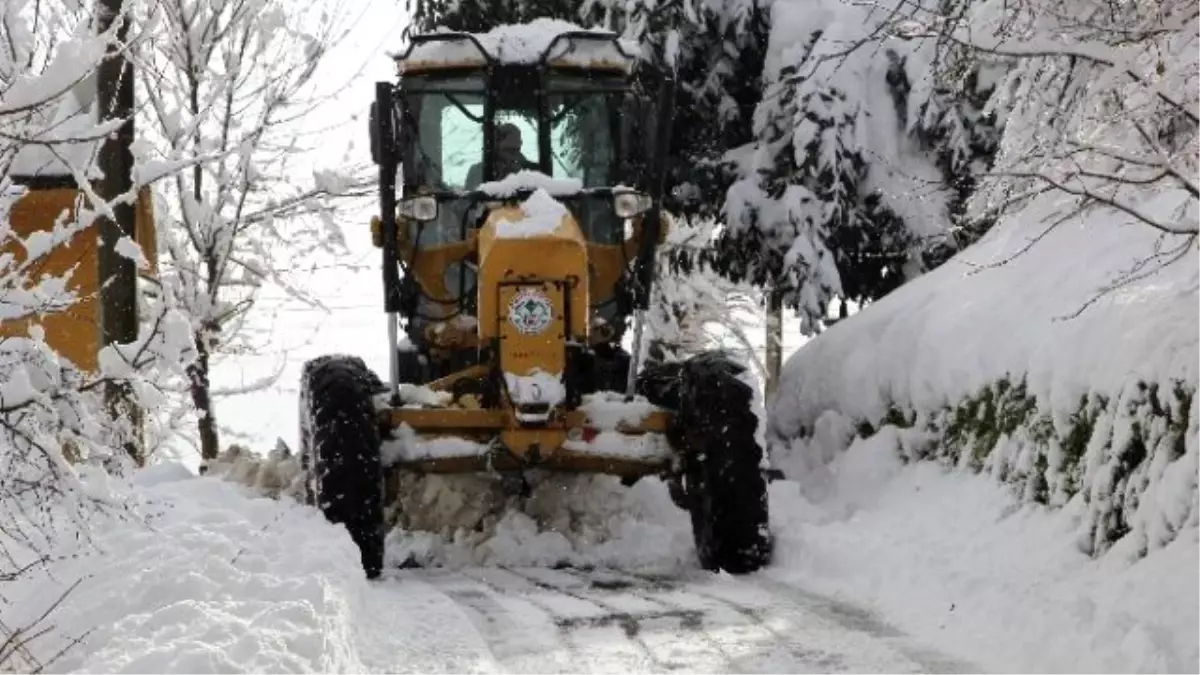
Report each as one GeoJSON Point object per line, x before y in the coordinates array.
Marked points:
{"type": "Point", "coordinates": [202, 577]}
{"type": "Point", "coordinates": [205, 576]}
{"type": "Point", "coordinates": [951, 558]}
{"type": "Point", "coordinates": [897, 569]}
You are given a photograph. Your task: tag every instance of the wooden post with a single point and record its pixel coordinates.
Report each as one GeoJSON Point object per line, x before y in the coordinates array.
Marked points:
{"type": "Point", "coordinates": [774, 340]}
{"type": "Point", "coordinates": [118, 274]}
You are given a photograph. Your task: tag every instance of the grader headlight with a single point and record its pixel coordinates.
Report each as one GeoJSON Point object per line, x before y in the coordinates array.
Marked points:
{"type": "Point", "coordinates": [421, 209]}
{"type": "Point", "coordinates": [630, 204]}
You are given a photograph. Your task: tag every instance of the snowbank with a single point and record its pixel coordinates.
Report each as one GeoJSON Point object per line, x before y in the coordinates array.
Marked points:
{"type": "Point", "coordinates": [205, 577]}
{"type": "Point", "coordinates": [951, 559]}
{"type": "Point", "coordinates": [950, 332]}
{"type": "Point", "coordinates": [976, 365]}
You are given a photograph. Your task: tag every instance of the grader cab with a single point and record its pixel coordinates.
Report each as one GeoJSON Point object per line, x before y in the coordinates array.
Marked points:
{"type": "Point", "coordinates": [521, 175]}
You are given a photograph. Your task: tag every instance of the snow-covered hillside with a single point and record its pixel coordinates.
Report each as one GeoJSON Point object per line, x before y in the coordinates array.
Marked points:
{"type": "Point", "coordinates": [983, 364]}
{"type": "Point", "coordinates": [1082, 426]}
{"type": "Point", "coordinates": [998, 310]}
{"type": "Point", "coordinates": [1060, 353]}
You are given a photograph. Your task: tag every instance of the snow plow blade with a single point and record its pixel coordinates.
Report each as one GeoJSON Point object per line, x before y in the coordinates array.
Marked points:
{"type": "Point", "coordinates": [469, 440]}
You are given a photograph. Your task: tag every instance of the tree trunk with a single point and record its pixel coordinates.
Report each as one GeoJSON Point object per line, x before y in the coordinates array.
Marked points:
{"type": "Point", "coordinates": [774, 341]}
{"type": "Point", "coordinates": [202, 400]}
{"type": "Point", "coordinates": [117, 274]}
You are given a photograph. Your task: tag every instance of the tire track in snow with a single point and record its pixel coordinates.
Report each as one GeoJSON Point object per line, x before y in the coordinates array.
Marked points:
{"type": "Point", "coordinates": [403, 624]}
{"type": "Point", "coordinates": [522, 636]}
{"type": "Point", "coordinates": [644, 622]}
{"type": "Point", "coordinates": [580, 620]}
{"type": "Point", "coordinates": [770, 593]}
{"type": "Point", "coordinates": [710, 616]}
{"type": "Point", "coordinates": [739, 633]}
{"type": "Point", "coordinates": [595, 644]}
{"type": "Point", "coordinates": [858, 619]}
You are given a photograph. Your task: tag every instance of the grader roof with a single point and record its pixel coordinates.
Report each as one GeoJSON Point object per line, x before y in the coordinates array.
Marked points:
{"type": "Point", "coordinates": [543, 42]}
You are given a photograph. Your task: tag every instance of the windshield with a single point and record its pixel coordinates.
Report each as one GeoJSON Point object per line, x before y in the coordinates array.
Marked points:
{"type": "Point", "coordinates": [448, 114]}
{"type": "Point", "coordinates": [582, 122]}
{"type": "Point", "coordinates": [448, 153]}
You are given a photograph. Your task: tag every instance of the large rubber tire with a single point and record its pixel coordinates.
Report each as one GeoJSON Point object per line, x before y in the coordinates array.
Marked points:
{"type": "Point", "coordinates": [340, 438]}
{"type": "Point", "coordinates": [715, 433]}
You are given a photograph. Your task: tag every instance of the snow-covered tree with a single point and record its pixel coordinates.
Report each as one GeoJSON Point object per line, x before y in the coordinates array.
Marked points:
{"type": "Point", "coordinates": [54, 430]}
{"type": "Point", "coordinates": [1101, 100]}
{"type": "Point", "coordinates": [695, 309]}
{"type": "Point", "coordinates": [865, 148]}
{"type": "Point", "coordinates": [227, 84]}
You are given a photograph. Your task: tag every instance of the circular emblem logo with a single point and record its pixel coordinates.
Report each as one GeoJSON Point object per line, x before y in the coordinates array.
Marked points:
{"type": "Point", "coordinates": [530, 311]}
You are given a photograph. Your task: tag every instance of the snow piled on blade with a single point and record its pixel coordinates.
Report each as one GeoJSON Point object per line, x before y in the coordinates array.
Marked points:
{"type": "Point", "coordinates": [607, 410]}
{"type": "Point", "coordinates": [408, 446]}
{"type": "Point", "coordinates": [542, 216]}
{"type": "Point", "coordinates": [647, 447]}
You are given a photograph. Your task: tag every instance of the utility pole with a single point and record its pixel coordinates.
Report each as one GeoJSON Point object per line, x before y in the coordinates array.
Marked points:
{"type": "Point", "coordinates": [118, 274]}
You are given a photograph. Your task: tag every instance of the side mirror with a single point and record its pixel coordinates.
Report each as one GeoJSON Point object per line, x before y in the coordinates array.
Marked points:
{"type": "Point", "coordinates": [373, 129]}
{"type": "Point", "coordinates": [380, 154]}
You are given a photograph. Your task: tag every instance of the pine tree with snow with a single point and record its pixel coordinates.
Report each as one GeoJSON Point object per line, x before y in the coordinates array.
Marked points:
{"type": "Point", "coordinates": [861, 160]}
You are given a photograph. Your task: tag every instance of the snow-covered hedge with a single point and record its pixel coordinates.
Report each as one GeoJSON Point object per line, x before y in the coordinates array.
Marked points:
{"type": "Point", "coordinates": [985, 365]}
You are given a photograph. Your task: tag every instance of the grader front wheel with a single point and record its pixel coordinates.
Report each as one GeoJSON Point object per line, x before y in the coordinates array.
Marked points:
{"type": "Point", "coordinates": [724, 488]}
{"type": "Point", "coordinates": [340, 443]}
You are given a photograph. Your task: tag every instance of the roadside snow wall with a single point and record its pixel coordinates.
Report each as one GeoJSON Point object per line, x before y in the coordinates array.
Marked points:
{"type": "Point", "coordinates": [986, 364]}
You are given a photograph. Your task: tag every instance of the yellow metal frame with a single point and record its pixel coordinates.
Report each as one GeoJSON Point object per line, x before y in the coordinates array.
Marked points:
{"type": "Point", "coordinates": [73, 333]}
{"type": "Point", "coordinates": [501, 424]}
{"type": "Point", "coordinates": [570, 274]}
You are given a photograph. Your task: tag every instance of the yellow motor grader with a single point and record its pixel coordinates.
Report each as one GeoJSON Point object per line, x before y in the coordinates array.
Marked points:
{"type": "Point", "coordinates": [530, 166]}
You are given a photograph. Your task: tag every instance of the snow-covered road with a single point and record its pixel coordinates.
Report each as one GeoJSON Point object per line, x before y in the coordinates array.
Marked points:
{"type": "Point", "coordinates": [569, 620]}
{"type": "Point", "coordinates": [898, 570]}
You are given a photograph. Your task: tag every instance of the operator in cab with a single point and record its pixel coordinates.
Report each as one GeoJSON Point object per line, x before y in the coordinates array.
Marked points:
{"type": "Point", "coordinates": [509, 158]}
